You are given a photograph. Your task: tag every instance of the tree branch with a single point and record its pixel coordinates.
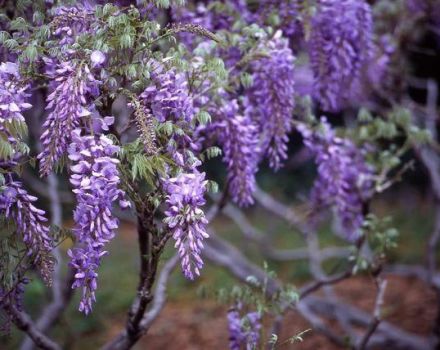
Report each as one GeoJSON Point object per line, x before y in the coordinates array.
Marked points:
{"type": "Point", "coordinates": [377, 317]}
{"type": "Point", "coordinates": [23, 322]}
{"type": "Point", "coordinates": [123, 340]}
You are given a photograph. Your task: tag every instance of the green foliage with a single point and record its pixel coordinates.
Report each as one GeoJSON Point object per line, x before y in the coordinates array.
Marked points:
{"type": "Point", "coordinates": [382, 237]}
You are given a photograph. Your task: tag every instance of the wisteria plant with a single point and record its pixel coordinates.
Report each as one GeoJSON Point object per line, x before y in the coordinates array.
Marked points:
{"type": "Point", "coordinates": [124, 103]}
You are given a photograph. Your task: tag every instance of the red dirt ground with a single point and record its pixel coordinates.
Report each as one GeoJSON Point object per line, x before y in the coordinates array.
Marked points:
{"type": "Point", "coordinates": [201, 325]}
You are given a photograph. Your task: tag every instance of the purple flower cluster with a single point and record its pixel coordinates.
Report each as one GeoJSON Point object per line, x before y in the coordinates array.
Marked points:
{"type": "Point", "coordinates": [340, 46]}
{"type": "Point", "coordinates": [243, 331]}
{"type": "Point", "coordinates": [68, 103]}
{"type": "Point", "coordinates": [209, 17]}
{"type": "Point", "coordinates": [30, 222]}
{"type": "Point", "coordinates": [288, 12]}
{"type": "Point", "coordinates": [345, 180]}
{"type": "Point", "coordinates": [238, 137]}
{"type": "Point", "coordinates": [168, 97]}
{"type": "Point", "coordinates": [185, 218]}
{"type": "Point", "coordinates": [95, 179]}
{"type": "Point", "coordinates": [69, 22]}
{"type": "Point", "coordinates": [12, 99]}
{"type": "Point", "coordinates": [270, 101]}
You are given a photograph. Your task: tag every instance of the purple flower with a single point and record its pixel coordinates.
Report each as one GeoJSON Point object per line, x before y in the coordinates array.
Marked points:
{"type": "Point", "coordinates": [238, 137]}
{"type": "Point", "coordinates": [68, 103]}
{"type": "Point", "coordinates": [13, 98]}
{"type": "Point", "coordinates": [213, 18]}
{"type": "Point", "coordinates": [73, 21]}
{"type": "Point", "coordinates": [243, 331]}
{"type": "Point", "coordinates": [345, 180]}
{"type": "Point", "coordinates": [270, 100]}
{"type": "Point", "coordinates": [97, 58]}
{"type": "Point", "coordinates": [340, 46]}
{"type": "Point", "coordinates": [167, 98]}
{"type": "Point", "coordinates": [95, 179]}
{"type": "Point", "coordinates": [185, 218]}
{"type": "Point", "coordinates": [30, 222]}
{"type": "Point", "coordinates": [287, 12]}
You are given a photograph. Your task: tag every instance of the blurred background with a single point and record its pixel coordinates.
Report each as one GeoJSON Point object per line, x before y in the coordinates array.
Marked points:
{"type": "Point", "coordinates": [194, 318]}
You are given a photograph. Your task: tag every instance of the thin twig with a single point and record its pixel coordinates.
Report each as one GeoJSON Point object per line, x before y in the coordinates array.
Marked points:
{"type": "Point", "coordinates": [377, 315]}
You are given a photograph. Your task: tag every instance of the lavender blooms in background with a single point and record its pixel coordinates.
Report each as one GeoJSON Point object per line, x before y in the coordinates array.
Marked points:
{"type": "Point", "coordinates": [340, 47]}
{"type": "Point", "coordinates": [185, 218]}
{"type": "Point", "coordinates": [345, 180]}
{"type": "Point", "coordinates": [67, 102]}
{"type": "Point", "coordinates": [243, 331]}
{"type": "Point", "coordinates": [287, 12]}
{"type": "Point", "coordinates": [13, 98]}
{"type": "Point", "coordinates": [95, 179]}
{"type": "Point", "coordinates": [270, 100]}
{"type": "Point", "coordinates": [238, 137]}
{"type": "Point", "coordinates": [210, 17]}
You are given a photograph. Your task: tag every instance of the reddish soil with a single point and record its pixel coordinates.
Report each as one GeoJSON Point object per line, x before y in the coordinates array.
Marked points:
{"type": "Point", "coordinates": [202, 324]}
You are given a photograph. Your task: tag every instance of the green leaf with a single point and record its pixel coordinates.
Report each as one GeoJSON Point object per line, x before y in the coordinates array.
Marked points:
{"type": "Point", "coordinates": [203, 117]}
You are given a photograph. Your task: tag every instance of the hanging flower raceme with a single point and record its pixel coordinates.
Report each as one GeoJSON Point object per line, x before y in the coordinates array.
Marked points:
{"type": "Point", "coordinates": [30, 223]}
{"type": "Point", "coordinates": [13, 98]}
{"type": "Point", "coordinates": [244, 332]}
{"type": "Point", "coordinates": [186, 219]}
{"type": "Point", "coordinates": [69, 22]}
{"type": "Point", "coordinates": [168, 99]}
{"type": "Point", "coordinates": [345, 180]}
{"type": "Point", "coordinates": [95, 179]}
{"type": "Point", "coordinates": [340, 46]}
{"type": "Point", "coordinates": [238, 137]}
{"type": "Point", "coordinates": [270, 100]}
{"type": "Point", "coordinates": [67, 103]}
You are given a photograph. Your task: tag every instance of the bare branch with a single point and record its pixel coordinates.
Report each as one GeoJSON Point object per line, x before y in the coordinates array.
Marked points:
{"type": "Point", "coordinates": [280, 210]}
{"type": "Point", "coordinates": [160, 292]}
{"type": "Point", "coordinates": [254, 234]}
{"type": "Point", "coordinates": [416, 271]}
{"type": "Point", "coordinates": [122, 341]}
{"type": "Point", "coordinates": [315, 286]}
{"type": "Point", "coordinates": [23, 322]}
{"type": "Point", "coordinates": [377, 317]}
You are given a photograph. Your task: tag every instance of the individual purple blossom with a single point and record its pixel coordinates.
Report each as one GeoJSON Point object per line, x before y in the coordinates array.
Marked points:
{"type": "Point", "coordinates": [238, 138]}
{"type": "Point", "coordinates": [30, 222]}
{"type": "Point", "coordinates": [186, 219]}
{"type": "Point", "coordinates": [98, 58]}
{"type": "Point", "coordinates": [243, 331]}
{"type": "Point", "coordinates": [340, 45]}
{"type": "Point", "coordinates": [270, 100]}
{"type": "Point", "coordinates": [95, 179]}
{"type": "Point", "coordinates": [345, 180]}
{"type": "Point", "coordinates": [68, 102]}
{"type": "Point", "coordinates": [13, 98]}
